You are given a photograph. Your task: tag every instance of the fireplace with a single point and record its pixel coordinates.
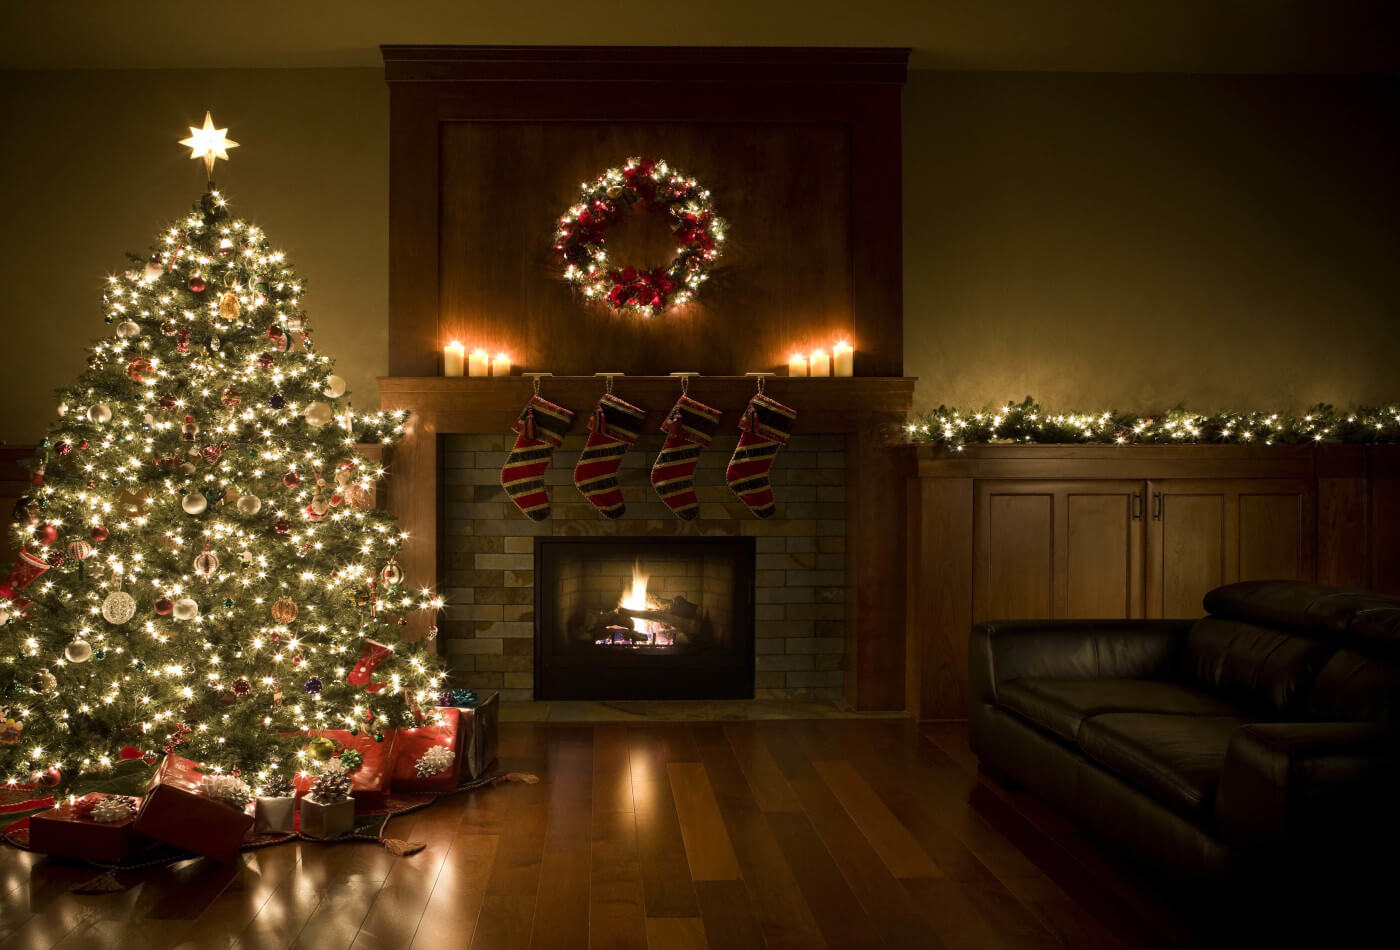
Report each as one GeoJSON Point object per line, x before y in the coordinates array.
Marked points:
{"type": "Point", "coordinates": [644, 618]}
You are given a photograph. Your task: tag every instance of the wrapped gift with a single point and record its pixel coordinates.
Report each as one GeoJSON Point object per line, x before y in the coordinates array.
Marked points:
{"type": "Point", "coordinates": [70, 830]}
{"type": "Point", "coordinates": [369, 780]}
{"type": "Point", "coordinates": [274, 816]}
{"type": "Point", "coordinates": [429, 758]}
{"type": "Point", "coordinates": [177, 813]}
{"type": "Point", "coordinates": [478, 726]}
{"type": "Point", "coordinates": [327, 819]}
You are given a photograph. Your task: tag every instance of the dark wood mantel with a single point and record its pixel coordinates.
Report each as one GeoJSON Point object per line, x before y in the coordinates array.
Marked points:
{"type": "Point", "coordinates": [869, 411]}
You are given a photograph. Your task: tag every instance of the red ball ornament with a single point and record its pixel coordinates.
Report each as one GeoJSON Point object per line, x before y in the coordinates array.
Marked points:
{"type": "Point", "coordinates": [197, 284]}
{"type": "Point", "coordinates": [128, 752]}
{"type": "Point", "coordinates": [164, 605]}
{"type": "Point", "coordinates": [56, 558]}
{"type": "Point", "coordinates": [46, 534]}
{"type": "Point", "coordinates": [241, 687]}
{"type": "Point", "coordinates": [282, 526]}
{"type": "Point", "coordinates": [99, 533]}
{"type": "Point", "coordinates": [291, 479]}
{"type": "Point", "coordinates": [138, 368]}
{"type": "Point", "coordinates": [265, 361]}
{"type": "Point", "coordinates": [50, 778]}
{"type": "Point", "coordinates": [63, 448]}
{"type": "Point", "coordinates": [274, 333]}
{"type": "Point", "coordinates": [83, 445]}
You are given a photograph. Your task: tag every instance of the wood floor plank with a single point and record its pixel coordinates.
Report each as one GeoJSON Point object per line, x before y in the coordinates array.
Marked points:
{"type": "Point", "coordinates": [675, 933]}
{"type": "Point", "coordinates": [728, 915]}
{"type": "Point", "coordinates": [707, 846]}
{"type": "Point", "coordinates": [666, 883]}
{"type": "Point", "coordinates": [842, 920]}
{"type": "Point", "coordinates": [612, 771]}
{"type": "Point", "coordinates": [393, 918]}
{"type": "Point", "coordinates": [770, 787]}
{"type": "Point", "coordinates": [561, 910]}
{"type": "Point", "coordinates": [450, 916]}
{"type": "Point", "coordinates": [508, 907]}
{"type": "Point", "coordinates": [891, 840]}
{"type": "Point", "coordinates": [262, 874]}
{"type": "Point", "coordinates": [617, 904]}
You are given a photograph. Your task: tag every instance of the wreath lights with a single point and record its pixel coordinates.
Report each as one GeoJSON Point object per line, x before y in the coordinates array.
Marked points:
{"type": "Point", "coordinates": [1027, 422]}
{"type": "Point", "coordinates": [652, 185]}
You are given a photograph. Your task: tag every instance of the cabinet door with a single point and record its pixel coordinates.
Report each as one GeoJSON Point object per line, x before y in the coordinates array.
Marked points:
{"type": "Point", "coordinates": [1203, 533]}
{"type": "Point", "coordinates": [1057, 549]}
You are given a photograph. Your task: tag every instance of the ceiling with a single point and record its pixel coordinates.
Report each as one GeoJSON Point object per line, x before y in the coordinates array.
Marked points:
{"type": "Point", "coordinates": [1218, 36]}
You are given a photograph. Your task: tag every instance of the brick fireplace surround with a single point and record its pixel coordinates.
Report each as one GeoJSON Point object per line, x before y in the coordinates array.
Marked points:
{"type": "Point", "coordinates": [830, 565]}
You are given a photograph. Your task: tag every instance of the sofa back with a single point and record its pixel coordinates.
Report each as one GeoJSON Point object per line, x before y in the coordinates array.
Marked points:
{"type": "Point", "coordinates": [1296, 650]}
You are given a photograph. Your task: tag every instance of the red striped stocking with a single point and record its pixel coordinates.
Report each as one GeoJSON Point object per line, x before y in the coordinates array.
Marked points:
{"type": "Point", "coordinates": [539, 431]}
{"type": "Point", "coordinates": [766, 426]}
{"type": "Point", "coordinates": [614, 425]}
{"type": "Point", "coordinates": [688, 427]}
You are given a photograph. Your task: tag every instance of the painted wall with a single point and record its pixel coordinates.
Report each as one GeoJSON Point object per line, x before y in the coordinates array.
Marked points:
{"type": "Point", "coordinates": [1091, 239]}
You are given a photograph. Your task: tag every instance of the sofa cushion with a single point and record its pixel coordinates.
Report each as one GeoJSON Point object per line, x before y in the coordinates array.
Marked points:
{"type": "Point", "coordinates": [1060, 706]}
{"type": "Point", "coordinates": [1311, 609]}
{"type": "Point", "coordinates": [1263, 670]}
{"type": "Point", "coordinates": [1175, 759]}
{"type": "Point", "coordinates": [1355, 687]}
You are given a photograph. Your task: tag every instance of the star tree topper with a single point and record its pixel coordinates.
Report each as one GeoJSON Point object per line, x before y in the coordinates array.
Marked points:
{"type": "Point", "coordinates": [209, 143]}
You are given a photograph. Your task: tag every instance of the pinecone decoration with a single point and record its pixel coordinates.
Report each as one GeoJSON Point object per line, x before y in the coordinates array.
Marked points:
{"type": "Point", "coordinates": [331, 786]}
{"type": "Point", "coordinates": [277, 786]}
{"type": "Point", "coordinates": [114, 808]}
{"type": "Point", "coordinates": [435, 761]}
{"type": "Point", "coordinates": [233, 792]}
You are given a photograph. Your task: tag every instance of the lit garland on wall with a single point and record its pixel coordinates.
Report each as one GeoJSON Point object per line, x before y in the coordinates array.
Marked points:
{"type": "Point", "coordinates": [1026, 421]}
{"type": "Point", "coordinates": [202, 569]}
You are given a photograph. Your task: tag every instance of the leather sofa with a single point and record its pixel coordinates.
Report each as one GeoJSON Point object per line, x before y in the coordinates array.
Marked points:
{"type": "Point", "coordinates": [1264, 735]}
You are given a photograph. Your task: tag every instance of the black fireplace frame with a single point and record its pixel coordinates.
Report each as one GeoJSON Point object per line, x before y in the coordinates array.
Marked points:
{"type": "Point", "coordinates": [624, 676]}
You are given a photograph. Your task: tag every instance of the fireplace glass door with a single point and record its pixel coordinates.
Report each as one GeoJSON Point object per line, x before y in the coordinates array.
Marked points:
{"type": "Point", "coordinates": [644, 618]}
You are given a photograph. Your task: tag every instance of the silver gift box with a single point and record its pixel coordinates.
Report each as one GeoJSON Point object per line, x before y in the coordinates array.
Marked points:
{"type": "Point", "coordinates": [327, 820]}
{"type": "Point", "coordinates": [274, 816]}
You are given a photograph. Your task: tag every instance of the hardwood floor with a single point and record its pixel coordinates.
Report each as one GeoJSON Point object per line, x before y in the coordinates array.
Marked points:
{"type": "Point", "coordinates": [785, 834]}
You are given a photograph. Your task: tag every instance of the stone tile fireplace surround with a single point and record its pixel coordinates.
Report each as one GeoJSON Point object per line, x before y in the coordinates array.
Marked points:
{"type": "Point", "coordinates": [487, 557]}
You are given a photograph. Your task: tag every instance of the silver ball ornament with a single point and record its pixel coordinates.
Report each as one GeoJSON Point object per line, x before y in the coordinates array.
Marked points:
{"type": "Point", "coordinates": [100, 414]}
{"type": "Point", "coordinates": [128, 330]}
{"type": "Point", "coordinates": [249, 504]}
{"type": "Point", "coordinates": [194, 503]}
{"type": "Point", "coordinates": [185, 609]}
{"type": "Point", "coordinates": [318, 414]}
{"type": "Point", "coordinates": [78, 651]}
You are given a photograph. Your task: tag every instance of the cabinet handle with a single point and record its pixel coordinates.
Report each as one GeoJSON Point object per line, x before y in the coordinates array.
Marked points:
{"type": "Point", "coordinates": [1137, 506]}
{"type": "Point", "coordinates": [1156, 506]}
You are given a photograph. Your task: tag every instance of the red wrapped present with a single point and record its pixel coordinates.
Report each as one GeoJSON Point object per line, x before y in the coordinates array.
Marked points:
{"type": "Point", "coordinates": [369, 781]}
{"type": "Point", "coordinates": [429, 758]}
{"type": "Point", "coordinates": [177, 813]}
{"type": "Point", "coordinates": [71, 830]}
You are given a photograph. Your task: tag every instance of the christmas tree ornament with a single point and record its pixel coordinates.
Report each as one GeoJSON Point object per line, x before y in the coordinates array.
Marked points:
{"type": "Point", "coordinates": [153, 270]}
{"type": "Point", "coordinates": [229, 307]}
{"type": "Point", "coordinates": [11, 731]}
{"type": "Point", "coordinates": [139, 368]}
{"type": "Point", "coordinates": [318, 414]}
{"type": "Point", "coordinates": [230, 397]}
{"type": "Point", "coordinates": [277, 401]}
{"type": "Point", "coordinates": [113, 808]}
{"type": "Point", "coordinates": [128, 329]}
{"type": "Point", "coordinates": [78, 650]}
{"type": "Point", "coordinates": [206, 564]}
{"type": "Point", "coordinates": [312, 686]}
{"type": "Point", "coordinates": [321, 749]}
{"type": "Point", "coordinates": [100, 414]}
{"type": "Point", "coordinates": [265, 360]}
{"type": "Point", "coordinates": [79, 550]}
{"type": "Point", "coordinates": [63, 448]}
{"type": "Point", "coordinates": [43, 681]}
{"type": "Point", "coordinates": [372, 654]}
{"type": "Point", "coordinates": [55, 558]}
{"type": "Point", "coordinates": [291, 479]}
{"type": "Point", "coordinates": [392, 574]}
{"type": "Point", "coordinates": [49, 778]}
{"type": "Point", "coordinates": [320, 504]}
{"type": "Point", "coordinates": [282, 526]}
{"type": "Point", "coordinates": [614, 426]}
{"type": "Point", "coordinates": [194, 503]}
{"type": "Point", "coordinates": [98, 533]}
{"type": "Point", "coordinates": [190, 430]}
{"type": "Point", "coordinates": [689, 427]}
{"type": "Point", "coordinates": [539, 431]}
{"type": "Point", "coordinates": [196, 284]}
{"type": "Point", "coordinates": [284, 610]}
{"type": "Point", "coordinates": [118, 607]}
{"type": "Point", "coordinates": [212, 453]}
{"type": "Point", "coordinates": [334, 387]}
{"type": "Point", "coordinates": [46, 534]}
{"type": "Point", "coordinates": [241, 687]}
{"type": "Point", "coordinates": [185, 608]}
{"type": "Point", "coordinates": [296, 322]}
{"type": "Point", "coordinates": [765, 428]}
{"type": "Point", "coordinates": [249, 504]}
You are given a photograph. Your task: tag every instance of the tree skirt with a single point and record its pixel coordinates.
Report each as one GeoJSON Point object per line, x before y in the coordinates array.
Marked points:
{"type": "Point", "coordinates": [369, 826]}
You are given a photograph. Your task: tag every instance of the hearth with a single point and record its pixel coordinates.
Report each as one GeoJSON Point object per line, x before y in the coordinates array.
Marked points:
{"type": "Point", "coordinates": [644, 618]}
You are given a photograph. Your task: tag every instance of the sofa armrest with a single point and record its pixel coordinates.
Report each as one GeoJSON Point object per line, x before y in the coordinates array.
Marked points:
{"type": "Point", "coordinates": [1003, 650]}
{"type": "Point", "coordinates": [1309, 783]}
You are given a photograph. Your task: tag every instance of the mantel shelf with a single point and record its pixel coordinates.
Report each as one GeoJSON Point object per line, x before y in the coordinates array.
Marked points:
{"type": "Point", "coordinates": [490, 404]}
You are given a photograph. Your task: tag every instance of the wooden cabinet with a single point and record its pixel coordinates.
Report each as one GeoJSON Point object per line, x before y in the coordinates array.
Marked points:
{"type": "Point", "coordinates": [1083, 531]}
{"type": "Point", "coordinates": [1057, 549]}
{"type": "Point", "coordinates": [1202, 533]}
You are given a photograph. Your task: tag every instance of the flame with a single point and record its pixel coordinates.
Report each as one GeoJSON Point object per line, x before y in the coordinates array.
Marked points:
{"type": "Point", "coordinates": [636, 598]}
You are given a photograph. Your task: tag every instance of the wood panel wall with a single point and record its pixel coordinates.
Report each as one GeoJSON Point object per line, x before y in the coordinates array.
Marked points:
{"type": "Point", "coordinates": [799, 147]}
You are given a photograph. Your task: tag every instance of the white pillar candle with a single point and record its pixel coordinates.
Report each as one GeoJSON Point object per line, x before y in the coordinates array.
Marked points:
{"type": "Point", "coordinates": [843, 359]}
{"type": "Point", "coordinates": [500, 366]}
{"type": "Point", "coordinates": [797, 365]}
{"type": "Point", "coordinates": [479, 363]}
{"type": "Point", "coordinates": [452, 355]}
{"type": "Point", "coordinates": [819, 363]}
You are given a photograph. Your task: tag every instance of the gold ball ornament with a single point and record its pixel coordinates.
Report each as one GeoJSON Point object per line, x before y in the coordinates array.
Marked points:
{"type": "Point", "coordinates": [194, 503]}
{"type": "Point", "coordinates": [43, 682]}
{"type": "Point", "coordinates": [118, 607]}
{"type": "Point", "coordinates": [78, 650]}
{"type": "Point", "coordinates": [335, 386]}
{"type": "Point", "coordinates": [186, 608]}
{"type": "Point", "coordinates": [321, 749]}
{"type": "Point", "coordinates": [284, 610]}
{"type": "Point", "coordinates": [249, 504]}
{"type": "Point", "coordinates": [318, 414]}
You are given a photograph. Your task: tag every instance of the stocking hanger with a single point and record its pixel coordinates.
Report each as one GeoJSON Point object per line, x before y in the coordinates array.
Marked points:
{"type": "Point", "coordinates": [535, 380]}
{"type": "Point", "coordinates": [762, 378]}
{"type": "Point", "coordinates": [685, 382]}
{"type": "Point", "coordinates": [608, 380]}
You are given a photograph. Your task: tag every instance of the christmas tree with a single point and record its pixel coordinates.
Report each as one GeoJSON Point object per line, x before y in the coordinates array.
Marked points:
{"type": "Point", "coordinates": [202, 570]}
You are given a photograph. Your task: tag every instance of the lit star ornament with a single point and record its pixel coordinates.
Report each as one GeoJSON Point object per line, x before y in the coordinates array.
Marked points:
{"type": "Point", "coordinates": [209, 143]}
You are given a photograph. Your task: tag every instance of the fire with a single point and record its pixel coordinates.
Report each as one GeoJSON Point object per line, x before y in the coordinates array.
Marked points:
{"type": "Point", "coordinates": [636, 599]}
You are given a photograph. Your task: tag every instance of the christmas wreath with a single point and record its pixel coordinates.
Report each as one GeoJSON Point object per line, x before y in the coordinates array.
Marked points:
{"type": "Point", "coordinates": [642, 184]}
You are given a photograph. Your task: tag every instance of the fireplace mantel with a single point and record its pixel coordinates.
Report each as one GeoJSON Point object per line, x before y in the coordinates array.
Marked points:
{"type": "Point", "coordinates": [868, 411]}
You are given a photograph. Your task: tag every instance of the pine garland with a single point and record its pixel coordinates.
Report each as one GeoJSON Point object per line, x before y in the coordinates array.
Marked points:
{"type": "Point", "coordinates": [1028, 422]}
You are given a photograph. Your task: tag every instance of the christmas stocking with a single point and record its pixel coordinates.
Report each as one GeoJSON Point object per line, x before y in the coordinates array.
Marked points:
{"type": "Point", "coordinates": [25, 572]}
{"type": "Point", "coordinates": [614, 426]}
{"type": "Point", "coordinates": [766, 427]}
{"type": "Point", "coordinates": [372, 654]}
{"type": "Point", "coordinates": [688, 428]}
{"type": "Point", "coordinates": [539, 431]}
